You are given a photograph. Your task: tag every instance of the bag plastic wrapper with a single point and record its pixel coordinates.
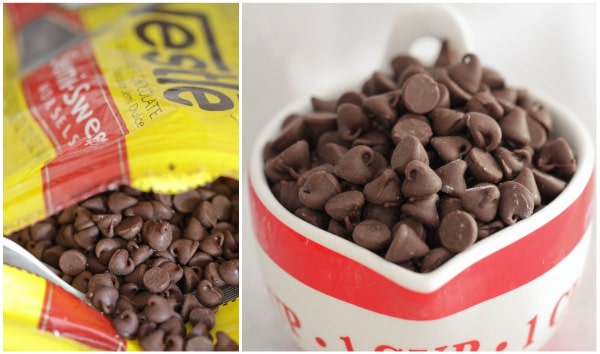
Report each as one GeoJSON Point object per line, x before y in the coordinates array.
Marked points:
{"type": "Point", "coordinates": [100, 96]}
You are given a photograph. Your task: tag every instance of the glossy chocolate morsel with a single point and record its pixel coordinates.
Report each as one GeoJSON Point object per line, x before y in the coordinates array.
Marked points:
{"type": "Point", "coordinates": [153, 341]}
{"type": "Point", "coordinates": [526, 178]}
{"type": "Point", "coordinates": [126, 323]}
{"type": "Point", "coordinates": [318, 188]}
{"type": "Point", "coordinates": [412, 124]}
{"type": "Point", "coordinates": [158, 235]}
{"type": "Point", "coordinates": [225, 343]}
{"type": "Point", "coordinates": [515, 128]}
{"type": "Point", "coordinates": [351, 121]}
{"type": "Point", "coordinates": [467, 73]}
{"type": "Point", "coordinates": [106, 223]}
{"type": "Point", "coordinates": [452, 176]}
{"type": "Point", "coordinates": [407, 150]}
{"type": "Point", "coordinates": [230, 271]}
{"type": "Point", "coordinates": [420, 93]}
{"type": "Point", "coordinates": [72, 262]}
{"type": "Point", "coordinates": [384, 189]}
{"type": "Point", "coordinates": [372, 234]}
{"type": "Point", "coordinates": [319, 104]}
{"type": "Point", "coordinates": [199, 343]}
{"type": "Point", "coordinates": [556, 156]}
{"type": "Point", "coordinates": [423, 210]}
{"type": "Point", "coordinates": [119, 201]}
{"type": "Point", "coordinates": [420, 180]}
{"type": "Point", "coordinates": [406, 244]}
{"type": "Point", "coordinates": [345, 205]}
{"type": "Point", "coordinates": [452, 147]}
{"type": "Point", "coordinates": [485, 102]}
{"type": "Point", "coordinates": [104, 299]}
{"type": "Point", "coordinates": [400, 62]}
{"type": "Point", "coordinates": [484, 130]}
{"type": "Point", "coordinates": [434, 259]}
{"type": "Point", "coordinates": [157, 309]}
{"type": "Point", "coordinates": [448, 55]}
{"type": "Point", "coordinates": [356, 165]}
{"type": "Point", "coordinates": [483, 166]}
{"type": "Point", "coordinates": [516, 202]}
{"type": "Point", "coordinates": [481, 201]}
{"type": "Point", "coordinates": [290, 163]}
{"type": "Point", "coordinates": [208, 294]}
{"type": "Point", "coordinates": [120, 263]}
{"type": "Point", "coordinates": [445, 121]}
{"type": "Point", "coordinates": [156, 279]}
{"type": "Point", "coordinates": [383, 107]}
{"type": "Point", "coordinates": [458, 230]}
{"type": "Point", "coordinates": [512, 161]}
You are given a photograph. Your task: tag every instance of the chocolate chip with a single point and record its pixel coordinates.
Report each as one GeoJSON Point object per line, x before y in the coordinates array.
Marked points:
{"type": "Point", "coordinates": [208, 294]}
{"type": "Point", "coordinates": [452, 176]}
{"type": "Point", "coordinates": [451, 148]}
{"type": "Point", "coordinates": [420, 93]}
{"type": "Point", "coordinates": [120, 263]}
{"type": "Point", "coordinates": [104, 299]}
{"type": "Point", "coordinates": [318, 188]}
{"type": "Point", "coordinates": [126, 323]}
{"type": "Point", "coordinates": [420, 181]}
{"type": "Point", "coordinates": [158, 235]}
{"type": "Point", "coordinates": [483, 166]}
{"type": "Point", "coordinates": [407, 150]}
{"type": "Point", "coordinates": [458, 230]}
{"type": "Point", "coordinates": [230, 271]}
{"type": "Point", "coordinates": [372, 234]}
{"type": "Point", "coordinates": [481, 201]}
{"type": "Point", "coordinates": [556, 156]}
{"type": "Point", "coordinates": [412, 125]}
{"type": "Point", "coordinates": [119, 201]}
{"type": "Point", "coordinates": [345, 205]}
{"type": "Point", "coordinates": [484, 130]}
{"type": "Point", "coordinates": [406, 244]}
{"type": "Point", "coordinates": [434, 259]}
{"type": "Point", "coordinates": [384, 189]}
{"type": "Point", "coordinates": [516, 202]}
{"type": "Point", "coordinates": [154, 341]}
{"type": "Point", "coordinates": [72, 262]}
{"type": "Point", "coordinates": [199, 343]}
{"type": "Point", "coordinates": [356, 165]}
{"type": "Point", "coordinates": [467, 73]}
{"type": "Point", "coordinates": [156, 279]}
{"type": "Point", "coordinates": [157, 309]}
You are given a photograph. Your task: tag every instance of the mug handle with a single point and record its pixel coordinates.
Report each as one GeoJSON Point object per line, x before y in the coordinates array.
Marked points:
{"type": "Point", "coordinates": [440, 21]}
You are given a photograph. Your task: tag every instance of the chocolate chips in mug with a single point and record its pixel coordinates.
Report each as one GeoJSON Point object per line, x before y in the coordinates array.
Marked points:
{"type": "Point", "coordinates": [150, 262]}
{"type": "Point", "coordinates": [420, 164]}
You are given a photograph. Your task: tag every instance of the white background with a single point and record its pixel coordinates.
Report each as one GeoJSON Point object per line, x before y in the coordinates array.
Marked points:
{"type": "Point", "coordinates": [292, 50]}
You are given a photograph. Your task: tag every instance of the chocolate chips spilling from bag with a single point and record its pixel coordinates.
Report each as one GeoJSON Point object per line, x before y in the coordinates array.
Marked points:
{"type": "Point", "coordinates": [151, 262]}
{"type": "Point", "coordinates": [419, 165]}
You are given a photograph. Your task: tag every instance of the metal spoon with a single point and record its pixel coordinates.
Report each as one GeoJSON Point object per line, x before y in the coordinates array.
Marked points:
{"type": "Point", "coordinates": [17, 256]}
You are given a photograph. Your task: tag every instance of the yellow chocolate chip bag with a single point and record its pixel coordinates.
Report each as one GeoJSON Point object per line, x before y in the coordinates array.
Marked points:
{"type": "Point", "coordinates": [101, 96]}
{"type": "Point", "coordinates": [105, 95]}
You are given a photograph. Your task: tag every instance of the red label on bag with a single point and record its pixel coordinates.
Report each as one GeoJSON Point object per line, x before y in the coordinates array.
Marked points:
{"type": "Point", "coordinates": [69, 99]}
{"type": "Point", "coordinates": [340, 277]}
{"type": "Point", "coordinates": [65, 314]}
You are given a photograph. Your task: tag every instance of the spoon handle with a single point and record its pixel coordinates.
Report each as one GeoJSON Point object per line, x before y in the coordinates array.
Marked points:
{"type": "Point", "coordinates": [17, 256]}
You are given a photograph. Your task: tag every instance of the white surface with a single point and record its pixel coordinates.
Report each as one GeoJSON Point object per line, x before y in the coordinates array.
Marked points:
{"type": "Point", "coordinates": [298, 49]}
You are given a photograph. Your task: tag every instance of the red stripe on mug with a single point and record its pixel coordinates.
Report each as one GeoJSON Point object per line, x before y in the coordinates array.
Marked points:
{"type": "Point", "coordinates": [348, 280]}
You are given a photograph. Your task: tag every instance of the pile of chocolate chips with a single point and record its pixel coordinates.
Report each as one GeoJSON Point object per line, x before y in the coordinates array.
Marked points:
{"type": "Point", "coordinates": [419, 165]}
{"type": "Point", "coordinates": [150, 262]}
